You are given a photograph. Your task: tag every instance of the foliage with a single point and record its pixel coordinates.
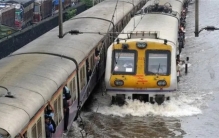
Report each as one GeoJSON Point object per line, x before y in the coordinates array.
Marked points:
{"type": "Point", "coordinates": [70, 13]}
{"type": "Point", "coordinates": [88, 3]}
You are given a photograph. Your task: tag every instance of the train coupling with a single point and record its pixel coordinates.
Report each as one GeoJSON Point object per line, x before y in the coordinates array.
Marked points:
{"type": "Point", "coordinates": [119, 99]}
{"type": "Point", "coordinates": [159, 99]}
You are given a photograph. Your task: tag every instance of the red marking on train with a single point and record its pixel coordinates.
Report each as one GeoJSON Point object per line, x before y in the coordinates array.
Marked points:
{"type": "Point", "coordinates": [142, 81]}
{"type": "Point", "coordinates": [140, 78]}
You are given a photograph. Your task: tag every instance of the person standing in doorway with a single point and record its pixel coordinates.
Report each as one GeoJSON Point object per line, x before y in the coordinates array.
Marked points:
{"type": "Point", "coordinates": [66, 97]}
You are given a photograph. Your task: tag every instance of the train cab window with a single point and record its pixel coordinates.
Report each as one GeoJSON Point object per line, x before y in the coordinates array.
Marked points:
{"type": "Point", "coordinates": [124, 62]}
{"type": "Point", "coordinates": [157, 62]}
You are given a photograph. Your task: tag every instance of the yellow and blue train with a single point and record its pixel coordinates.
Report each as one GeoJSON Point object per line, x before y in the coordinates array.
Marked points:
{"type": "Point", "coordinates": [141, 63]}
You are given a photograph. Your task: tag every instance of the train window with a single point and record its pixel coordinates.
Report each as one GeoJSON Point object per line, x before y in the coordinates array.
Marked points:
{"type": "Point", "coordinates": [56, 111]}
{"type": "Point", "coordinates": [81, 80]}
{"type": "Point", "coordinates": [73, 92]}
{"type": "Point", "coordinates": [117, 29]}
{"type": "Point", "coordinates": [124, 62]}
{"type": "Point", "coordinates": [123, 22]}
{"type": "Point", "coordinates": [73, 89]}
{"type": "Point", "coordinates": [34, 131]}
{"type": "Point", "coordinates": [25, 135]}
{"type": "Point", "coordinates": [91, 62]}
{"type": "Point", "coordinates": [83, 72]}
{"type": "Point", "coordinates": [59, 108]}
{"type": "Point", "coordinates": [157, 62]}
{"type": "Point", "coordinates": [135, 9]}
{"type": "Point", "coordinates": [82, 76]}
{"type": "Point", "coordinates": [106, 44]}
{"type": "Point", "coordinates": [39, 128]}
{"type": "Point", "coordinates": [120, 26]}
{"type": "Point", "coordinates": [99, 46]}
{"type": "Point", "coordinates": [128, 17]}
{"type": "Point", "coordinates": [102, 53]}
{"type": "Point", "coordinates": [110, 39]}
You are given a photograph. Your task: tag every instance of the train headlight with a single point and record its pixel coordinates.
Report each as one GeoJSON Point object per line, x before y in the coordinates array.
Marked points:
{"type": "Point", "coordinates": [161, 83]}
{"type": "Point", "coordinates": [119, 82]}
{"type": "Point", "coordinates": [141, 45]}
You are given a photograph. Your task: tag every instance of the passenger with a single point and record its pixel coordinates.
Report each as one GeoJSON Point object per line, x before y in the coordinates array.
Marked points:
{"type": "Point", "coordinates": [116, 68]}
{"type": "Point", "coordinates": [89, 73]}
{"type": "Point", "coordinates": [178, 70]}
{"type": "Point", "coordinates": [48, 127]}
{"type": "Point", "coordinates": [66, 97]}
{"type": "Point", "coordinates": [66, 93]}
{"type": "Point", "coordinates": [97, 56]}
{"type": "Point", "coordinates": [50, 114]}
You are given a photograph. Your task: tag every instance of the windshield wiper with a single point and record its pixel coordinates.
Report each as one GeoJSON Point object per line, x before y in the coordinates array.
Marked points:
{"type": "Point", "coordinates": [158, 69]}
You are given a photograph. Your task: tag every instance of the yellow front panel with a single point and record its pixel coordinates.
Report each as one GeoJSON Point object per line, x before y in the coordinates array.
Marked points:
{"type": "Point", "coordinates": [141, 80]}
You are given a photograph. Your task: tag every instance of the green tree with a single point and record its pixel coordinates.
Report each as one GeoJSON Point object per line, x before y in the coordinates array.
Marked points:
{"type": "Point", "coordinates": [88, 3]}
{"type": "Point", "coordinates": [70, 13]}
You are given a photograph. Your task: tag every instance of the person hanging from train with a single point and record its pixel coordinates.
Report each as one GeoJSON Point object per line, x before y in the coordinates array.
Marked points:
{"type": "Point", "coordinates": [97, 56]}
{"type": "Point", "coordinates": [66, 97]}
{"type": "Point", "coordinates": [48, 127]}
{"type": "Point", "coordinates": [89, 71]}
{"type": "Point", "coordinates": [50, 112]}
{"type": "Point", "coordinates": [178, 70]}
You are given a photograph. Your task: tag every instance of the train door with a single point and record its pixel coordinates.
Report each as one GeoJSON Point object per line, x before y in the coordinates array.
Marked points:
{"type": "Point", "coordinates": [88, 70]}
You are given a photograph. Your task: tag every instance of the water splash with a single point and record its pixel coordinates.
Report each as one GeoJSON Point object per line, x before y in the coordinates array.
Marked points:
{"type": "Point", "coordinates": [176, 107]}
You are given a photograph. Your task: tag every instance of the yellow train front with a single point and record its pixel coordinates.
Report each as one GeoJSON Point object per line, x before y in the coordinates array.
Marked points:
{"type": "Point", "coordinates": [142, 63]}
{"type": "Point", "coordinates": [140, 69]}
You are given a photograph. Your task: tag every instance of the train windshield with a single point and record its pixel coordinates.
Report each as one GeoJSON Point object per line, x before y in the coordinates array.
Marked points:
{"type": "Point", "coordinates": [37, 8]}
{"type": "Point", "coordinates": [124, 62]}
{"type": "Point", "coordinates": [158, 62]}
{"type": "Point", "coordinates": [18, 15]}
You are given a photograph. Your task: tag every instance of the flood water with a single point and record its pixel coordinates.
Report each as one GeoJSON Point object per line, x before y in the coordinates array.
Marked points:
{"type": "Point", "coordinates": [192, 112]}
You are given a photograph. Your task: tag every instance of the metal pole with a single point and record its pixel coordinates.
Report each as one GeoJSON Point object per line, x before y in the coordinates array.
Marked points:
{"type": "Point", "coordinates": [0, 21]}
{"type": "Point", "coordinates": [186, 65]}
{"type": "Point", "coordinates": [196, 18]}
{"type": "Point", "coordinates": [60, 20]}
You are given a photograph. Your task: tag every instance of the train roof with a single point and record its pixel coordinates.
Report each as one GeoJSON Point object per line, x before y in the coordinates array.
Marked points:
{"type": "Point", "coordinates": [175, 5]}
{"type": "Point", "coordinates": [33, 78]}
{"type": "Point", "coordinates": [81, 44]}
{"type": "Point", "coordinates": [166, 26]}
{"type": "Point", "coordinates": [31, 83]}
